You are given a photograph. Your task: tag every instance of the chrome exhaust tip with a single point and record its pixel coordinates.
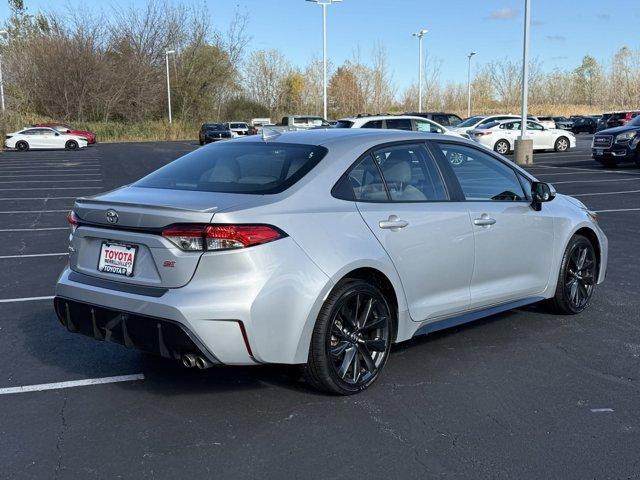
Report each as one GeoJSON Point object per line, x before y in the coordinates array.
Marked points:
{"type": "Point", "coordinates": [202, 363]}
{"type": "Point", "coordinates": [189, 360]}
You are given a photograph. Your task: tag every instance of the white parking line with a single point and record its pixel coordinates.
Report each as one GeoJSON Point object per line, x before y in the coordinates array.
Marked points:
{"type": "Point", "coordinates": [33, 255]}
{"type": "Point", "coordinates": [25, 299]}
{"type": "Point", "coordinates": [618, 210]}
{"type": "Point", "coordinates": [48, 188]}
{"type": "Point", "coordinates": [52, 175]}
{"type": "Point", "coordinates": [587, 169]}
{"type": "Point", "coordinates": [598, 181]}
{"type": "Point", "coordinates": [72, 383]}
{"type": "Point", "coordinates": [50, 181]}
{"type": "Point", "coordinates": [38, 198]}
{"type": "Point", "coordinates": [603, 193]}
{"type": "Point", "coordinates": [11, 212]}
{"type": "Point", "coordinates": [32, 229]}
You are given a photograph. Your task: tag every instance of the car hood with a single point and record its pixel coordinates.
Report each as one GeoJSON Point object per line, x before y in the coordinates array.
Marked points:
{"type": "Point", "coordinates": [617, 130]}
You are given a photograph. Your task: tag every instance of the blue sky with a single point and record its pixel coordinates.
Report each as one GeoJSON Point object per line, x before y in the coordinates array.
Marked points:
{"type": "Point", "coordinates": [562, 31]}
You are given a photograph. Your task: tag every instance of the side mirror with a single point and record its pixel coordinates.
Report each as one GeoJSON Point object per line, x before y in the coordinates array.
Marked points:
{"type": "Point", "coordinates": [541, 192]}
{"type": "Point", "coordinates": [57, 134]}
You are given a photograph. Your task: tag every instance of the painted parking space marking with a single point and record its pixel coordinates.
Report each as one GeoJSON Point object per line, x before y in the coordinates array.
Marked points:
{"type": "Point", "coordinates": [602, 410]}
{"type": "Point", "coordinates": [32, 229]}
{"type": "Point", "coordinates": [25, 299]}
{"type": "Point", "coordinates": [53, 175]}
{"type": "Point", "coordinates": [49, 181]}
{"type": "Point", "coordinates": [71, 384]}
{"type": "Point", "coordinates": [618, 210]}
{"type": "Point", "coordinates": [598, 181]}
{"type": "Point", "coordinates": [604, 193]}
{"type": "Point", "coordinates": [48, 188]}
{"type": "Point", "coordinates": [12, 212]}
{"type": "Point", "coordinates": [37, 198]}
{"type": "Point", "coordinates": [34, 255]}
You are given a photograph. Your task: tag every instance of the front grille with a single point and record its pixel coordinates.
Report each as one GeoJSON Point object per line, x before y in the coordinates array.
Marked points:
{"type": "Point", "coordinates": [161, 337]}
{"type": "Point", "coordinates": [602, 141]}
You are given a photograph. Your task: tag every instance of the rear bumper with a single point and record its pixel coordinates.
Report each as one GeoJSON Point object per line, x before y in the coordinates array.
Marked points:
{"type": "Point", "coordinates": [241, 307]}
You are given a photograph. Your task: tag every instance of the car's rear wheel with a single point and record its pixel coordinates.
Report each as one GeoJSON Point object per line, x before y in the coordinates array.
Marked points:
{"type": "Point", "coordinates": [71, 145]}
{"type": "Point", "coordinates": [351, 339]}
{"type": "Point", "coordinates": [562, 144]}
{"type": "Point", "coordinates": [637, 157]}
{"type": "Point", "coordinates": [502, 147]}
{"type": "Point", "coordinates": [577, 277]}
{"type": "Point", "coordinates": [22, 146]}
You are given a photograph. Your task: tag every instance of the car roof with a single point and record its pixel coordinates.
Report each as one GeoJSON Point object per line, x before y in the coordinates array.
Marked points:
{"type": "Point", "coordinates": [381, 117]}
{"type": "Point", "coordinates": [327, 136]}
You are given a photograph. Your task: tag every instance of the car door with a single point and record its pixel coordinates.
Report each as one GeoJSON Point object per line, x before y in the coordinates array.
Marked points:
{"type": "Point", "coordinates": [50, 139]}
{"type": "Point", "coordinates": [542, 138]}
{"type": "Point", "coordinates": [513, 242]}
{"type": "Point", "coordinates": [404, 199]}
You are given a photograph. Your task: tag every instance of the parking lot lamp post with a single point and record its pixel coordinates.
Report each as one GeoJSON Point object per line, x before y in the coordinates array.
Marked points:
{"type": "Point", "coordinates": [524, 145]}
{"type": "Point", "coordinates": [166, 57]}
{"type": "Point", "coordinates": [2, 33]}
{"type": "Point", "coordinates": [471, 54]}
{"type": "Point", "coordinates": [324, 4]}
{"type": "Point", "coordinates": [420, 34]}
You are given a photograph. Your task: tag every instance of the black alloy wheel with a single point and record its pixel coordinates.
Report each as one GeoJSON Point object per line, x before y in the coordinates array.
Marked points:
{"type": "Point", "coordinates": [351, 339]}
{"type": "Point", "coordinates": [578, 277]}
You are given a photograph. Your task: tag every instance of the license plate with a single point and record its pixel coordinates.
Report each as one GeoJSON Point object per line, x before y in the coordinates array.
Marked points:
{"type": "Point", "coordinates": [599, 151]}
{"type": "Point", "coordinates": [117, 258]}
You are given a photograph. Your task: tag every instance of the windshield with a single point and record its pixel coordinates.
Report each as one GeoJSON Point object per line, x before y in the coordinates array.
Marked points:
{"type": "Point", "coordinates": [343, 124]}
{"type": "Point", "coordinates": [215, 126]}
{"type": "Point", "coordinates": [238, 125]}
{"type": "Point", "coordinates": [470, 122]}
{"type": "Point", "coordinates": [245, 167]}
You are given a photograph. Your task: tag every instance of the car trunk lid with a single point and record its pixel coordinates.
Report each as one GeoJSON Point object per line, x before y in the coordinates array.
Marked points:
{"type": "Point", "coordinates": [134, 217]}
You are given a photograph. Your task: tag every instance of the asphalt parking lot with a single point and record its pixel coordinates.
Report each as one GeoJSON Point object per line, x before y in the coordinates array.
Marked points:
{"type": "Point", "coordinates": [523, 394]}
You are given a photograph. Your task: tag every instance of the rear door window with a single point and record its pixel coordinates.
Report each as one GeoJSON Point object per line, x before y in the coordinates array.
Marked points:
{"type": "Point", "coordinates": [399, 124]}
{"type": "Point", "coordinates": [242, 167]}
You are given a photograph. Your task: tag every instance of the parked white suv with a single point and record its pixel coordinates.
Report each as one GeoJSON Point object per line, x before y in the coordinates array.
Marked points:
{"type": "Point", "coordinates": [238, 128]}
{"type": "Point", "coordinates": [396, 122]}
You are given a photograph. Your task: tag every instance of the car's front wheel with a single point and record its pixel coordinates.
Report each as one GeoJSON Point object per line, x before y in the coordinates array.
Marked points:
{"type": "Point", "coordinates": [562, 144]}
{"type": "Point", "coordinates": [502, 147]}
{"type": "Point", "coordinates": [577, 277]}
{"type": "Point", "coordinates": [71, 145]}
{"type": "Point", "coordinates": [351, 339]}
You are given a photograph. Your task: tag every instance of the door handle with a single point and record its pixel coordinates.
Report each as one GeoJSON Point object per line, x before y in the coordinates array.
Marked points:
{"type": "Point", "coordinates": [484, 220]}
{"type": "Point", "coordinates": [393, 223]}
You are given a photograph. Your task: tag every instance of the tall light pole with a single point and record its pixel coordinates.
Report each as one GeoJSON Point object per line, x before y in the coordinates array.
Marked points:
{"type": "Point", "coordinates": [524, 146]}
{"type": "Point", "coordinates": [324, 4]}
{"type": "Point", "coordinates": [471, 54]}
{"type": "Point", "coordinates": [420, 34]}
{"type": "Point", "coordinates": [166, 57]}
{"type": "Point", "coordinates": [3, 33]}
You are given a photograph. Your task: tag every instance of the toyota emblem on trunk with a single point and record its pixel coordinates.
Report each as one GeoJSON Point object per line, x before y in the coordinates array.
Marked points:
{"type": "Point", "coordinates": [112, 216]}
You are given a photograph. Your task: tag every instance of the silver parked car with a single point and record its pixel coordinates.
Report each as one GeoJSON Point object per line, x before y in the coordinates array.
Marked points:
{"type": "Point", "coordinates": [322, 248]}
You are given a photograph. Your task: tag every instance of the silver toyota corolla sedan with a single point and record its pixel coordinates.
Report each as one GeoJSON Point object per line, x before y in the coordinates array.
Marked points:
{"type": "Point", "coordinates": [322, 248]}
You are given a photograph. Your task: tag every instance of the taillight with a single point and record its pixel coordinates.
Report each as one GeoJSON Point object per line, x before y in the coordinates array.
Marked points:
{"type": "Point", "coordinates": [72, 218]}
{"type": "Point", "coordinates": [192, 238]}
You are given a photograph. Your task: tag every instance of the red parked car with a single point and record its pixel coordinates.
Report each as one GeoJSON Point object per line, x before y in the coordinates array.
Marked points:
{"type": "Point", "coordinates": [64, 128]}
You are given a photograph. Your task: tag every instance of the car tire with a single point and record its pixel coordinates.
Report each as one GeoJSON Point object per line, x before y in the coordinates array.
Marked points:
{"type": "Point", "coordinates": [201, 142]}
{"type": "Point", "coordinates": [347, 358]}
{"type": "Point", "coordinates": [71, 145]}
{"type": "Point", "coordinates": [22, 146]}
{"type": "Point", "coordinates": [502, 147]}
{"type": "Point", "coordinates": [562, 144]}
{"type": "Point", "coordinates": [577, 277]}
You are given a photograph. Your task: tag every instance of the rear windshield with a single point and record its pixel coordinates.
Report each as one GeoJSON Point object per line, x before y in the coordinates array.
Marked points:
{"type": "Point", "coordinates": [215, 126]}
{"type": "Point", "coordinates": [237, 167]}
{"type": "Point", "coordinates": [470, 122]}
{"type": "Point", "coordinates": [238, 125]}
{"type": "Point", "coordinates": [343, 124]}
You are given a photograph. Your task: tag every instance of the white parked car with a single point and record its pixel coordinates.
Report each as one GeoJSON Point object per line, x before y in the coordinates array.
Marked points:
{"type": "Point", "coordinates": [238, 128]}
{"type": "Point", "coordinates": [480, 120]}
{"type": "Point", "coordinates": [43, 138]}
{"type": "Point", "coordinates": [397, 122]}
{"type": "Point", "coordinates": [501, 136]}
